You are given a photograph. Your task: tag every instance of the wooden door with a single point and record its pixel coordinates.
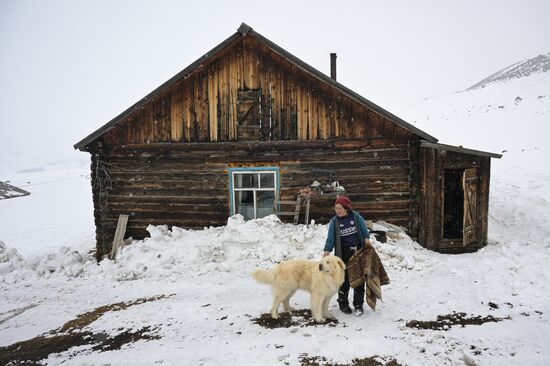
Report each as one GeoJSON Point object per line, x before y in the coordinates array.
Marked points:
{"type": "Point", "coordinates": [470, 184]}
{"type": "Point", "coordinates": [248, 115]}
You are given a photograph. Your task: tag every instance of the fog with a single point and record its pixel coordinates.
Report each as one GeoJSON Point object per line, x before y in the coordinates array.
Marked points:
{"type": "Point", "coordinates": [69, 67]}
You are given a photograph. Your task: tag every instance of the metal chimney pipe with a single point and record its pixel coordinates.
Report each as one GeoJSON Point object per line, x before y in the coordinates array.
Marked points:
{"type": "Point", "coordinates": [333, 66]}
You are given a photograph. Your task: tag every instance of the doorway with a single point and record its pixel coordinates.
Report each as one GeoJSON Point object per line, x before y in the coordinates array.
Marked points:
{"type": "Point", "coordinates": [460, 221]}
{"type": "Point", "coordinates": [453, 204]}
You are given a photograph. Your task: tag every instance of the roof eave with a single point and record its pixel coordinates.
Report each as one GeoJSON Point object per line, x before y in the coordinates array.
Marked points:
{"type": "Point", "coordinates": [459, 149]}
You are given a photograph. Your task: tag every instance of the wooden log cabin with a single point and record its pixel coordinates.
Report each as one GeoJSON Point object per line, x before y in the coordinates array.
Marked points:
{"type": "Point", "coordinates": [248, 125]}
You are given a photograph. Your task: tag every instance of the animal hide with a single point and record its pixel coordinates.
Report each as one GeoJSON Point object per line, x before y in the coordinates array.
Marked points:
{"type": "Point", "coordinates": [365, 266]}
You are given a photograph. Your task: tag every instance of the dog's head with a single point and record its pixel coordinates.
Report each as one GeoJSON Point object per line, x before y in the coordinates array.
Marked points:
{"type": "Point", "coordinates": [332, 264]}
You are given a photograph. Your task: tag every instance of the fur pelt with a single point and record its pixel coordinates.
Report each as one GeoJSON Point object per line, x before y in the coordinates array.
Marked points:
{"type": "Point", "coordinates": [365, 266]}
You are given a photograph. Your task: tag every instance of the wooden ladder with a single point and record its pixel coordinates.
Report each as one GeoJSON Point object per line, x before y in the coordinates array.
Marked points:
{"type": "Point", "coordinates": [297, 208]}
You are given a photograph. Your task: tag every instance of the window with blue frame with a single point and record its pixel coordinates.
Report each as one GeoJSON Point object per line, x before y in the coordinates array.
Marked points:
{"type": "Point", "coordinates": [254, 191]}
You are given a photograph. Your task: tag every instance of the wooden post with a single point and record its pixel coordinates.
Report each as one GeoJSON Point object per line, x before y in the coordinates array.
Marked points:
{"type": "Point", "coordinates": [297, 210]}
{"type": "Point", "coordinates": [306, 221]}
{"type": "Point", "coordinates": [118, 241]}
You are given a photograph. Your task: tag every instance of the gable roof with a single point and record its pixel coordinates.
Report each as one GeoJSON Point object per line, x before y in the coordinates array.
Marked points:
{"type": "Point", "coordinates": [245, 30]}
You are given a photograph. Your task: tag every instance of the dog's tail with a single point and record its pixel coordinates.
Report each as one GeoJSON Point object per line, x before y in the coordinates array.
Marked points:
{"type": "Point", "coordinates": [263, 276]}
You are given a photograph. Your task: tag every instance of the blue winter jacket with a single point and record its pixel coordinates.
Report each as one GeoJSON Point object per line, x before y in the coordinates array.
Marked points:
{"type": "Point", "coordinates": [361, 225]}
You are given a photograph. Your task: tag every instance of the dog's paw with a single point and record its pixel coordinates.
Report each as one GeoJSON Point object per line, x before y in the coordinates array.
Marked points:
{"type": "Point", "coordinates": [289, 308]}
{"type": "Point", "coordinates": [328, 315]}
{"type": "Point", "coordinates": [274, 315]}
{"type": "Point", "coordinates": [320, 320]}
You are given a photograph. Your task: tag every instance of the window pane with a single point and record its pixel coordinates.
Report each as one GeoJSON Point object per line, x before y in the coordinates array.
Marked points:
{"type": "Point", "coordinates": [246, 180]}
{"type": "Point", "coordinates": [244, 204]}
{"type": "Point", "coordinates": [267, 180]}
{"type": "Point", "coordinates": [265, 204]}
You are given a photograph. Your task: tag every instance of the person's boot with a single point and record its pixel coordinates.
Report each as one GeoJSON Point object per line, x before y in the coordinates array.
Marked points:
{"type": "Point", "coordinates": [344, 307]}
{"type": "Point", "coordinates": [359, 311]}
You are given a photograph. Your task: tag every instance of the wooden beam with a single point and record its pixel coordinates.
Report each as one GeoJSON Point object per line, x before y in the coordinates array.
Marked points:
{"type": "Point", "coordinates": [118, 242]}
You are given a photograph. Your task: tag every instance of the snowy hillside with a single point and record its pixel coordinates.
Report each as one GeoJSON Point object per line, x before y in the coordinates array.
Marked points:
{"type": "Point", "coordinates": [185, 297]}
{"type": "Point", "coordinates": [505, 114]}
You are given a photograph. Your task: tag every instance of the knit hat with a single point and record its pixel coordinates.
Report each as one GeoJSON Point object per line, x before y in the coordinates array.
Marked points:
{"type": "Point", "coordinates": [344, 201]}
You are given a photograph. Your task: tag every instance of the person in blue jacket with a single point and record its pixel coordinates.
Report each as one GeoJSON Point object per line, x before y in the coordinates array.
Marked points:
{"type": "Point", "coordinates": [347, 233]}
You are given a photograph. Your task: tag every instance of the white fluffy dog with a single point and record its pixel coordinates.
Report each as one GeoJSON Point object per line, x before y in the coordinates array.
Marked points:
{"type": "Point", "coordinates": [321, 279]}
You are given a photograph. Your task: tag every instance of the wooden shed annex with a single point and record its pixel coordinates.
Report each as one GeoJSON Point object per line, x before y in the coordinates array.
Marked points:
{"type": "Point", "coordinates": [248, 124]}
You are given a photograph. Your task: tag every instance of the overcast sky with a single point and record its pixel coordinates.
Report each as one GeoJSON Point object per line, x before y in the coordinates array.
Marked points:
{"type": "Point", "coordinates": [68, 67]}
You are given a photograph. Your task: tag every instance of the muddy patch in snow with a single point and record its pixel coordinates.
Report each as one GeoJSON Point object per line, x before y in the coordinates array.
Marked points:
{"type": "Point", "coordinates": [295, 318]}
{"type": "Point", "coordinates": [445, 322]}
{"type": "Point", "coordinates": [32, 351]}
{"type": "Point", "coordinates": [85, 319]}
{"type": "Point", "coordinates": [71, 334]}
{"type": "Point", "coordinates": [306, 360]}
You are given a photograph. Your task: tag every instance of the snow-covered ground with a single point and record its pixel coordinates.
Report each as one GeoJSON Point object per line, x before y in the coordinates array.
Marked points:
{"type": "Point", "coordinates": [59, 211]}
{"type": "Point", "coordinates": [211, 304]}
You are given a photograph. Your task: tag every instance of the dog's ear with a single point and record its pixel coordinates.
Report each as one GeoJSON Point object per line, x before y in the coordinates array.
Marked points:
{"type": "Point", "coordinates": [341, 264]}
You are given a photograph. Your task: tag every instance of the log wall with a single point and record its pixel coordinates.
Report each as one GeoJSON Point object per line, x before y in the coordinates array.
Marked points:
{"type": "Point", "coordinates": [187, 185]}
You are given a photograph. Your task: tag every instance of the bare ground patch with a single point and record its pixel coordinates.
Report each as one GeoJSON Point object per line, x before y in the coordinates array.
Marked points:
{"type": "Point", "coordinates": [31, 351]}
{"type": "Point", "coordinates": [445, 322]}
{"type": "Point", "coordinates": [300, 318]}
{"type": "Point", "coordinates": [306, 360]}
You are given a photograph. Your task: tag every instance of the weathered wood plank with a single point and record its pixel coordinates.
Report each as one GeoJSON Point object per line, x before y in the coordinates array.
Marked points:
{"type": "Point", "coordinates": [321, 147]}
{"type": "Point", "coordinates": [427, 232]}
{"type": "Point", "coordinates": [176, 113]}
{"type": "Point", "coordinates": [414, 187]}
{"type": "Point", "coordinates": [213, 102]}
{"type": "Point", "coordinates": [118, 241]}
{"type": "Point", "coordinates": [232, 96]}
{"type": "Point", "coordinates": [188, 110]}
{"type": "Point", "coordinates": [484, 170]}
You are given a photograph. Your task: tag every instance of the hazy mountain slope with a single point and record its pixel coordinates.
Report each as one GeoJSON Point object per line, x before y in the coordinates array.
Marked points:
{"type": "Point", "coordinates": [518, 70]}
{"type": "Point", "coordinates": [504, 113]}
